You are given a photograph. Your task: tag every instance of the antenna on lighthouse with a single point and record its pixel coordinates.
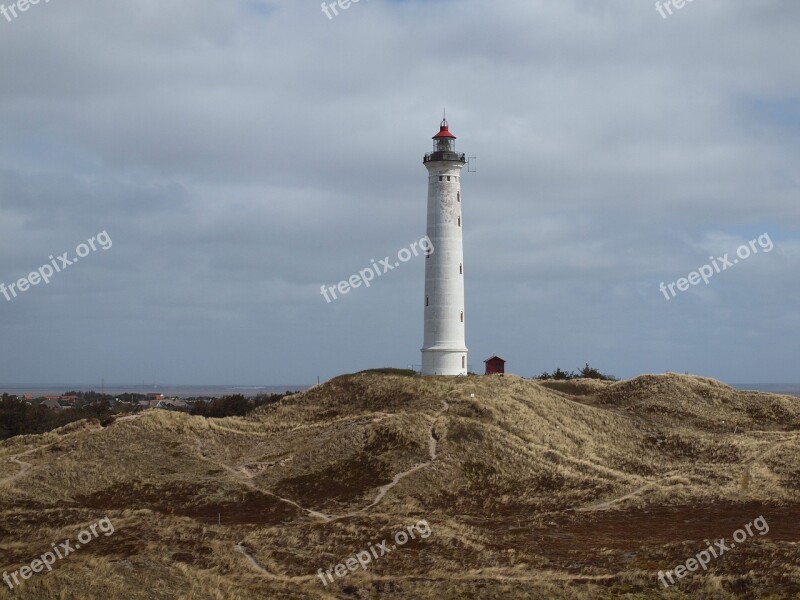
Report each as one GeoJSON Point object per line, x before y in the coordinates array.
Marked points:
{"type": "Point", "coordinates": [472, 164]}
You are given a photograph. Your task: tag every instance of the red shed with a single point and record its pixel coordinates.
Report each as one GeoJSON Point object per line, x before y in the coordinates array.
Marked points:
{"type": "Point", "coordinates": [494, 365]}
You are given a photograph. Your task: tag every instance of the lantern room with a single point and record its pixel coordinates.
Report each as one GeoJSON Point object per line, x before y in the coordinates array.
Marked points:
{"type": "Point", "coordinates": [444, 146]}
{"type": "Point", "coordinates": [444, 141]}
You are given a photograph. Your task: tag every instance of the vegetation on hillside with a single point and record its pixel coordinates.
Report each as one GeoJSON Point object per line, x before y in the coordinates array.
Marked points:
{"type": "Point", "coordinates": [586, 372]}
{"type": "Point", "coordinates": [392, 371]}
{"type": "Point", "coordinates": [580, 489]}
{"type": "Point", "coordinates": [235, 405]}
{"type": "Point", "coordinates": [17, 417]}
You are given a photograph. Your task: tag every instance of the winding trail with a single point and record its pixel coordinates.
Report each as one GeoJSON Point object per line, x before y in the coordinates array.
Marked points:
{"type": "Point", "coordinates": [24, 466]}
{"type": "Point", "coordinates": [246, 479]}
{"type": "Point", "coordinates": [472, 575]}
{"type": "Point", "coordinates": [770, 448]}
{"type": "Point", "coordinates": [240, 547]}
{"type": "Point", "coordinates": [746, 473]}
{"type": "Point", "coordinates": [285, 579]}
{"type": "Point", "coordinates": [433, 445]}
{"type": "Point", "coordinates": [607, 504]}
{"type": "Point", "coordinates": [132, 417]}
{"type": "Point", "coordinates": [246, 476]}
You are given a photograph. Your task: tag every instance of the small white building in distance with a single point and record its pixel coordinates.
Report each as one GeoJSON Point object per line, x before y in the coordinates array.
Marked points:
{"type": "Point", "coordinates": [444, 350]}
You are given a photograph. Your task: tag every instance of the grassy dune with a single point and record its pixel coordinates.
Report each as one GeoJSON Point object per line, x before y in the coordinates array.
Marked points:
{"type": "Point", "coordinates": [578, 489]}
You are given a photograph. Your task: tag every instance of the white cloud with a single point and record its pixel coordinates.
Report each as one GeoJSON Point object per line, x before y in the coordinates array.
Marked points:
{"type": "Point", "coordinates": [242, 154]}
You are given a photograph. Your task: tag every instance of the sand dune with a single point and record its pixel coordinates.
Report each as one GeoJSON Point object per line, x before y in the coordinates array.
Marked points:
{"type": "Point", "coordinates": [579, 489]}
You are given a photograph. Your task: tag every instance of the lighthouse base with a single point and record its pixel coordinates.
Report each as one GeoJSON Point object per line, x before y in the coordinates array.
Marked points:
{"type": "Point", "coordinates": [444, 362]}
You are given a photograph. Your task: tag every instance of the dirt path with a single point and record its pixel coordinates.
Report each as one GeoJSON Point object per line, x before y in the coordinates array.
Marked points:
{"type": "Point", "coordinates": [246, 478]}
{"type": "Point", "coordinates": [606, 505]}
{"type": "Point", "coordinates": [305, 427]}
{"type": "Point", "coordinates": [292, 580]}
{"type": "Point", "coordinates": [747, 474]}
{"type": "Point", "coordinates": [240, 547]}
{"type": "Point", "coordinates": [24, 466]}
{"type": "Point", "coordinates": [433, 444]}
{"type": "Point", "coordinates": [473, 575]}
{"type": "Point", "coordinates": [128, 418]}
{"type": "Point", "coordinates": [763, 453]}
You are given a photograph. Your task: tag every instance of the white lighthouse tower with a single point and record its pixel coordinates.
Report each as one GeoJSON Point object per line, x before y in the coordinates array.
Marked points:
{"type": "Point", "coordinates": [444, 350]}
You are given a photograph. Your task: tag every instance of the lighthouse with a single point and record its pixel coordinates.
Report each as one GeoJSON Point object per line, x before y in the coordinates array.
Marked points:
{"type": "Point", "coordinates": [444, 350]}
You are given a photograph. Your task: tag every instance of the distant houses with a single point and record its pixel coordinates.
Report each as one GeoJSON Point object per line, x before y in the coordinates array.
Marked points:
{"type": "Point", "coordinates": [151, 400]}
{"type": "Point", "coordinates": [126, 402]}
{"type": "Point", "coordinates": [51, 403]}
{"type": "Point", "coordinates": [156, 400]}
{"type": "Point", "coordinates": [59, 402]}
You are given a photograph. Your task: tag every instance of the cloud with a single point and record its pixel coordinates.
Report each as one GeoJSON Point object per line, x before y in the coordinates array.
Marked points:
{"type": "Point", "coordinates": [243, 154]}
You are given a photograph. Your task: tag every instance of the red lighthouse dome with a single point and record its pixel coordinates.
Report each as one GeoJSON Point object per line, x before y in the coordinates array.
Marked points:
{"type": "Point", "coordinates": [444, 131]}
{"type": "Point", "coordinates": [444, 146]}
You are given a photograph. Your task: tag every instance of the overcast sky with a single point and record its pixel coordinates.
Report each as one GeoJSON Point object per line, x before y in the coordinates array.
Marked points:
{"type": "Point", "coordinates": [241, 154]}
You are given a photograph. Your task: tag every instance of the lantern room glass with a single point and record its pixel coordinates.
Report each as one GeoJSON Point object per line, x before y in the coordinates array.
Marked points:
{"type": "Point", "coordinates": [444, 145]}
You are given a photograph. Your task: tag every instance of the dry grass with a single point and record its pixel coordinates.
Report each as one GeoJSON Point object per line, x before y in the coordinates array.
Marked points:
{"type": "Point", "coordinates": [578, 489]}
